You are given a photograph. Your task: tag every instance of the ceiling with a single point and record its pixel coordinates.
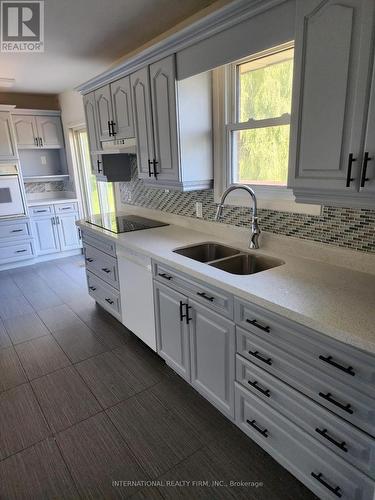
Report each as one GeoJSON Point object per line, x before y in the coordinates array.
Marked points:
{"type": "Point", "coordinates": [84, 37]}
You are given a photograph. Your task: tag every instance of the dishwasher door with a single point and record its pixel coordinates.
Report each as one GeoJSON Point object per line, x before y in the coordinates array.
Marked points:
{"type": "Point", "coordinates": [137, 297]}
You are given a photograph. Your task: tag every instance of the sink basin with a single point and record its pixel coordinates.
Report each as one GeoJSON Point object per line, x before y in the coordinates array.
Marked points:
{"type": "Point", "coordinates": [207, 252]}
{"type": "Point", "coordinates": [247, 264]}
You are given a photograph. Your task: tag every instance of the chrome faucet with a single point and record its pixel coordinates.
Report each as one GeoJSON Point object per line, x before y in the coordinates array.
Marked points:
{"type": "Point", "coordinates": [255, 231]}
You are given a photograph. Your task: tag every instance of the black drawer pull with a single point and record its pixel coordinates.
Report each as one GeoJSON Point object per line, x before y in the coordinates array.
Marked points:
{"type": "Point", "coordinates": [205, 296]}
{"type": "Point", "coordinates": [325, 434]}
{"type": "Point", "coordinates": [40, 211]}
{"type": "Point", "coordinates": [254, 322]}
{"type": "Point", "coordinates": [328, 397]}
{"type": "Point", "coordinates": [88, 259]}
{"type": "Point", "coordinates": [109, 301]}
{"type": "Point", "coordinates": [253, 424]}
{"type": "Point", "coordinates": [254, 384]}
{"type": "Point", "coordinates": [16, 230]}
{"type": "Point", "coordinates": [330, 361]}
{"type": "Point", "coordinates": [93, 288]}
{"type": "Point", "coordinates": [256, 354]}
{"type": "Point", "coordinates": [21, 251]}
{"type": "Point", "coordinates": [65, 208]}
{"type": "Point", "coordinates": [106, 270]}
{"type": "Point", "coordinates": [165, 276]}
{"type": "Point", "coordinates": [335, 490]}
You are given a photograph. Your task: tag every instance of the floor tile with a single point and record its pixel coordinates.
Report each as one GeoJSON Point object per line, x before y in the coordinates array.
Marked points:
{"type": "Point", "coordinates": [158, 438]}
{"type": "Point", "coordinates": [109, 379]}
{"type": "Point", "coordinates": [22, 423]}
{"type": "Point", "coordinates": [38, 472]}
{"type": "Point", "coordinates": [78, 342]}
{"type": "Point", "coordinates": [64, 398]}
{"type": "Point", "coordinates": [25, 327]}
{"type": "Point", "coordinates": [8, 287]}
{"type": "Point", "coordinates": [4, 337]}
{"type": "Point", "coordinates": [11, 372]}
{"type": "Point", "coordinates": [42, 298]}
{"type": "Point", "coordinates": [11, 307]}
{"type": "Point", "coordinates": [41, 356]}
{"type": "Point", "coordinates": [59, 317]}
{"type": "Point", "coordinates": [97, 455]}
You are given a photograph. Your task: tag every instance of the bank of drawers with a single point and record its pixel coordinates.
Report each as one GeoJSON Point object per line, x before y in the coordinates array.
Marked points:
{"type": "Point", "coordinates": [104, 294]}
{"type": "Point", "coordinates": [15, 230]}
{"type": "Point", "coordinates": [102, 265]}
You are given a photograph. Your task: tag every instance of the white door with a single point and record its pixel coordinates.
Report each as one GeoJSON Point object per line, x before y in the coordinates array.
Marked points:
{"type": "Point", "coordinates": [11, 200]}
{"type": "Point", "coordinates": [46, 237]}
{"type": "Point", "coordinates": [69, 236]}
{"type": "Point", "coordinates": [104, 112]}
{"type": "Point", "coordinates": [122, 108]}
{"type": "Point", "coordinates": [140, 84]}
{"type": "Point", "coordinates": [164, 112]}
{"type": "Point", "coordinates": [50, 132]}
{"type": "Point", "coordinates": [7, 144]}
{"type": "Point", "coordinates": [26, 131]}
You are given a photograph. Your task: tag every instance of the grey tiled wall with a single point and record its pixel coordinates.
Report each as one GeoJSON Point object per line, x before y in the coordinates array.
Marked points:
{"type": "Point", "coordinates": [344, 227]}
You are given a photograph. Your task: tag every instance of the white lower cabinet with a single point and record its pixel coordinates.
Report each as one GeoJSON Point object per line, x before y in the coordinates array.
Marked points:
{"type": "Point", "coordinates": [46, 236]}
{"type": "Point", "coordinates": [69, 235]}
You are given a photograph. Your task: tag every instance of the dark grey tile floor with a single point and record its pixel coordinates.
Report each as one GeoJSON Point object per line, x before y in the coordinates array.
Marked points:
{"type": "Point", "coordinates": [84, 403]}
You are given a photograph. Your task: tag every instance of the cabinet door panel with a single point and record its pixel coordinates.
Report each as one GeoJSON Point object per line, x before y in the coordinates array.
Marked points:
{"type": "Point", "coordinates": [172, 332]}
{"type": "Point", "coordinates": [7, 145]}
{"type": "Point", "coordinates": [68, 232]}
{"type": "Point", "coordinates": [368, 175]}
{"type": "Point", "coordinates": [332, 49]}
{"type": "Point", "coordinates": [140, 85]}
{"type": "Point", "coordinates": [46, 237]}
{"type": "Point", "coordinates": [122, 108]}
{"type": "Point", "coordinates": [103, 112]}
{"type": "Point", "coordinates": [26, 132]}
{"type": "Point", "coordinates": [92, 129]}
{"type": "Point", "coordinates": [163, 92]}
{"type": "Point", "coordinates": [50, 131]}
{"type": "Point", "coordinates": [212, 347]}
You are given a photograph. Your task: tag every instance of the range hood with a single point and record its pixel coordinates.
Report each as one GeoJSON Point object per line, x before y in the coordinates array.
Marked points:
{"type": "Point", "coordinates": [118, 146]}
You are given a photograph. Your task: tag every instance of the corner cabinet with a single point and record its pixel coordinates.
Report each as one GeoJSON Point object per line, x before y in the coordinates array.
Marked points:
{"type": "Point", "coordinates": [166, 127]}
{"type": "Point", "coordinates": [333, 64]}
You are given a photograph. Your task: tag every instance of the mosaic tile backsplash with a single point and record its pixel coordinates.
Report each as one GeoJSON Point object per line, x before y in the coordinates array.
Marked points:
{"type": "Point", "coordinates": [43, 187]}
{"type": "Point", "coordinates": [343, 227]}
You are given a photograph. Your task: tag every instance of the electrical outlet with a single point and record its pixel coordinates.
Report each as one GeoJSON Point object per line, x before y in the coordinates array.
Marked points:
{"type": "Point", "coordinates": [199, 209]}
{"type": "Point", "coordinates": [43, 160]}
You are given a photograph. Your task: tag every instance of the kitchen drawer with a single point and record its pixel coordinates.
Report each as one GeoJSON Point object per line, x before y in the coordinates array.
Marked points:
{"type": "Point", "coordinates": [321, 470]}
{"type": "Point", "coordinates": [14, 230]}
{"type": "Point", "coordinates": [105, 295]}
{"type": "Point", "coordinates": [348, 364]}
{"type": "Point", "coordinates": [352, 405]}
{"type": "Point", "coordinates": [103, 244]}
{"type": "Point", "coordinates": [66, 208]}
{"type": "Point", "coordinates": [212, 297]}
{"type": "Point", "coordinates": [16, 251]}
{"type": "Point", "coordinates": [101, 264]}
{"type": "Point", "coordinates": [341, 437]}
{"type": "Point", "coordinates": [41, 210]}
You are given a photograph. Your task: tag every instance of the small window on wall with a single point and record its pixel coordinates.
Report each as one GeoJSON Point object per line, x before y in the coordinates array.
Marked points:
{"type": "Point", "coordinates": [260, 93]}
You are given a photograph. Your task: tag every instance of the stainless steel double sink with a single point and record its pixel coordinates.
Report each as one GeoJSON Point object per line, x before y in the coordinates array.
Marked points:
{"type": "Point", "coordinates": [229, 259]}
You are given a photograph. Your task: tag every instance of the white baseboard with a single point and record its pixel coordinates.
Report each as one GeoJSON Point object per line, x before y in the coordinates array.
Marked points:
{"type": "Point", "coordinates": [41, 258]}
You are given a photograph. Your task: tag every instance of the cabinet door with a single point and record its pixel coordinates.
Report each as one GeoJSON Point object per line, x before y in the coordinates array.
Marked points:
{"type": "Point", "coordinates": [68, 232]}
{"type": "Point", "coordinates": [26, 132]}
{"type": "Point", "coordinates": [50, 132]}
{"type": "Point", "coordinates": [164, 111]}
{"type": "Point", "coordinates": [333, 46]}
{"type": "Point", "coordinates": [92, 129]}
{"type": "Point", "coordinates": [171, 330]}
{"type": "Point", "coordinates": [45, 234]}
{"type": "Point", "coordinates": [140, 85]}
{"type": "Point", "coordinates": [122, 108]}
{"type": "Point", "coordinates": [103, 112]}
{"type": "Point", "coordinates": [367, 184]}
{"type": "Point", "coordinates": [7, 144]}
{"type": "Point", "coordinates": [212, 351]}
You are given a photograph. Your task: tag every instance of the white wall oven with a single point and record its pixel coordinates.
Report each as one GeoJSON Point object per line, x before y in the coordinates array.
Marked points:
{"type": "Point", "coordinates": [12, 203]}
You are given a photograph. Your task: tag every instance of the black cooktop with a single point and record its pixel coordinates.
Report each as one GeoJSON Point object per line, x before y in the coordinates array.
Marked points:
{"type": "Point", "coordinates": [122, 223]}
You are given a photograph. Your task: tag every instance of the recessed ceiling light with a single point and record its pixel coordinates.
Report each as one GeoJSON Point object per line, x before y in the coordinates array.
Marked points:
{"type": "Point", "coordinates": [7, 82]}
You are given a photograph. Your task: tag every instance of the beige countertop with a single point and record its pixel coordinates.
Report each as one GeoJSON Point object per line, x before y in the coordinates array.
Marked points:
{"type": "Point", "coordinates": [333, 300]}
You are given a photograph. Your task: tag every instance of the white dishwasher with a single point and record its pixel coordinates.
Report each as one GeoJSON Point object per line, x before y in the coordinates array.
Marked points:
{"type": "Point", "coordinates": [137, 297]}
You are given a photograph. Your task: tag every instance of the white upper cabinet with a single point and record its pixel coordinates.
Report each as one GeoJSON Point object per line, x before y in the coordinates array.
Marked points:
{"type": "Point", "coordinates": [122, 109]}
{"type": "Point", "coordinates": [8, 149]}
{"type": "Point", "coordinates": [34, 131]}
{"type": "Point", "coordinates": [26, 132]}
{"type": "Point", "coordinates": [50, 131]}
{"type": "Point", "coordinates": [332, 58]}
{"type": "Point", "coordinates": [367, 180]}
{"type": "Point", "coordinates": [104, 112]}
{"type": "Point", "coordinates": [92, 131]}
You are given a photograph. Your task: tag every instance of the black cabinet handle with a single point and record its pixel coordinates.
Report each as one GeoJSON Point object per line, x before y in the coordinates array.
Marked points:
{"type": "Point", "coordinates": [364, 179]}
{"type": "Point", "coordinates": [254, 384]}
{"type": "Point", "coordinates": [325, 434]}
{"type": "Point", "coordinates": [149, 168]}
{"type": "Point", "coordinates": [99, 163]}
{"type": "Point", "coordinates": [328, 397]}
{"type": "Point", "coordinates": [181, 313]}
{"type": "Point", "coordinates": [16, 230]}
{"type": "Point", "coordinates": [188, 319]}
{"type": "Point", "coordinates": [40, 211]}
{"type": "Point", "coordinates": [88, 259]}
{"type": "Point", "coordinates": [21, 251]}
{"type": "Point", "coordinates": [254, 322]}
{"type": "Point", "coordinates": [155, 172]}
{"type": "Point", "coordinates": [36, 141]}
{"type": "Point", "coordinates": [330, 361]}
{"type": "Point", "coordinates": [349, 177]}
{"type": "Point", "coordinates": [93, 288]}
{"type": "Point", "coordinates": [109, 301]}
{"type": "Point", "coordinates": [335, 490]}
{"type": "Point", "coordinates": [65, 208]}
{"type": "Point", "coordinates": [113, 124]}
{"type": "Point", "coordinates": [256, 354]}
{"type": "Point", "coordinates": [40, 142]}
{"type": "Point", "coordinates": [109, 129]}
{"type": "Point", "coordinates": [165, 276]}
{"type": "Point", "coordinates": [205, 296]}
{"type": "Point", "coordinates": [106, 270]}
{"type": "Point", "coordinates": [253, 424]}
